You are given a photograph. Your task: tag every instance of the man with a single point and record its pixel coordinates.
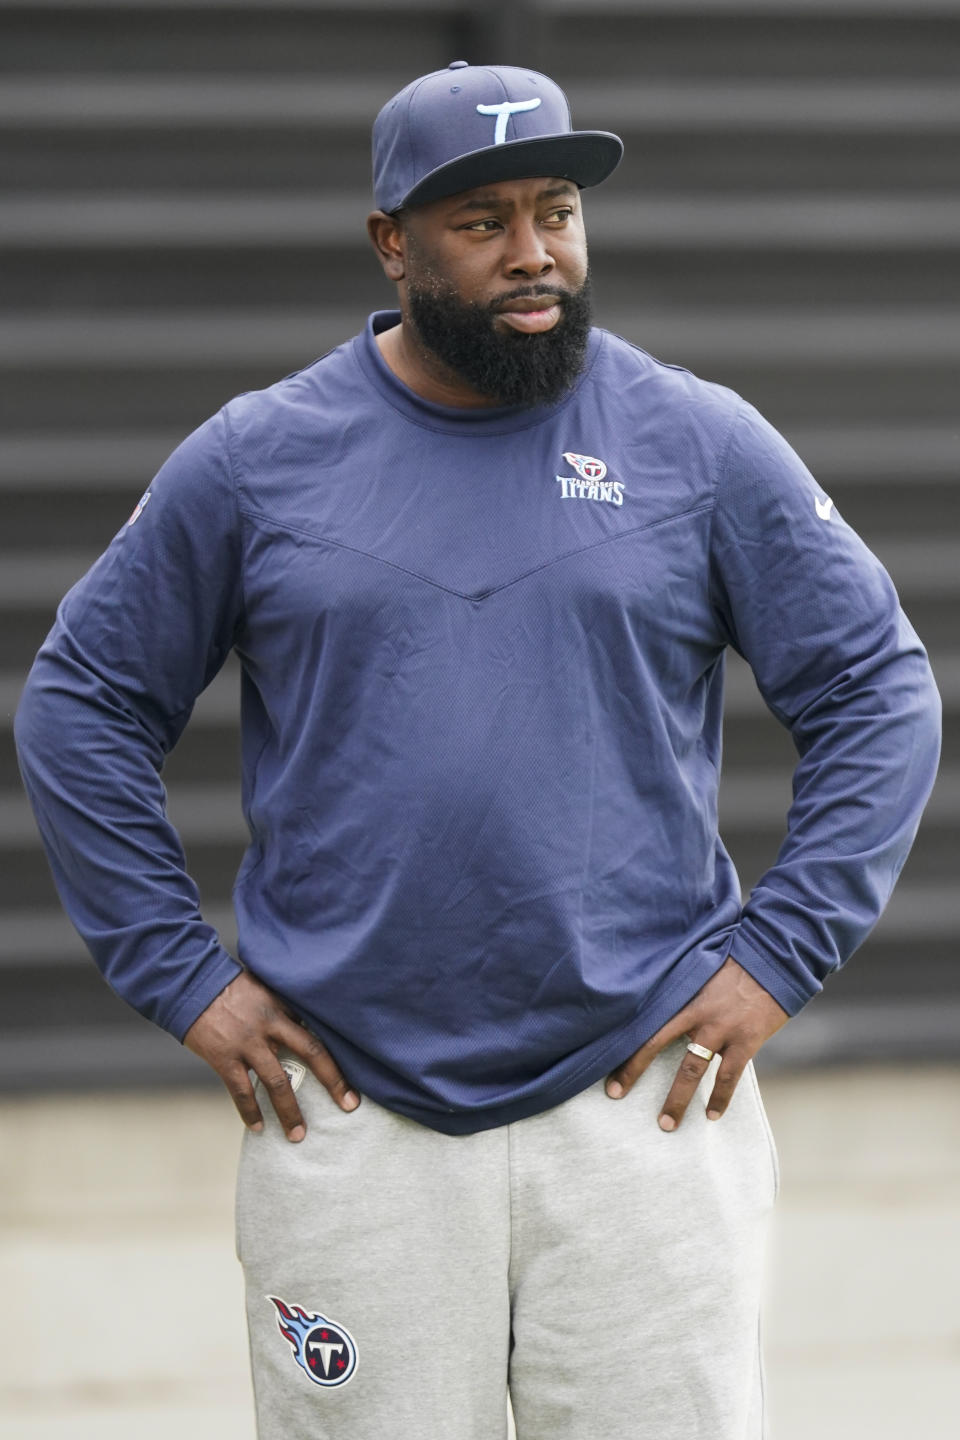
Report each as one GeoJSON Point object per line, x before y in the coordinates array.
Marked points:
{"type": "Point", "coordinates": [480, 565]}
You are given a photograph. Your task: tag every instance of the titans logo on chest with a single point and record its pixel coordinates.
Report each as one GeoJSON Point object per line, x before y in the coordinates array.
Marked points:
{"type": "Point", "coordinates": [590, 481]}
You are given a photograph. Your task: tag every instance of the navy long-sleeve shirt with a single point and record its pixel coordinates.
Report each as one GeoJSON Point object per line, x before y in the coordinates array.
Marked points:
{"type": "Point", "coordinates": [482, 656]}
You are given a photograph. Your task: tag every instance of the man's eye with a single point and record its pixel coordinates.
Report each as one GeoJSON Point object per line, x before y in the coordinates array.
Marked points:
{"type": "Point", "coordinates": [483, 225]}
{"type": "Point", "coordinates": [564, 214]}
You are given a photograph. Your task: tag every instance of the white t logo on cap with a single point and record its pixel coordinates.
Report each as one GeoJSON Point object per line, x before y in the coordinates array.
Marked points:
{"type": "Point", "coordinates": [503, 113]}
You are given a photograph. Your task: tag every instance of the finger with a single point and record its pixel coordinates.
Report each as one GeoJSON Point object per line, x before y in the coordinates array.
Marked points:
{"type": "Point", "coordinates": [623, 1079]}
{"type": "Point", "coordinates": [691, 1071]}
{"type": "Point", "coordinates": [732, 1066]}
{"type": "Point", "coordinates": [325, 1068]}
{"type": "Point", "coordinates": [237, 1081]}
{"type": "Point", "coordinates": [292, 1034]}
{"type": "Point", "coordinates": [276, 1082]}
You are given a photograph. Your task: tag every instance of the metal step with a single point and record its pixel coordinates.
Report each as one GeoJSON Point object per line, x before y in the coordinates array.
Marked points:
{"type": "Point", "coordinates": [127, 1054]}
{"type": "Point", "coordinates": [691, 223]}
{"type": "Point", "coordinates": [46, 938]}
{"type": "Point", "coordinates": [39, 280]}
{"type": "Point", "coordinates": [274, 160]}
{"type": "Point", "coordinates": [295, 36]}
{"type": "Point", "coordinates": [195, 103]}
{"type": "Point", "coordinates": [158, 370]}
{"type": "Point", "coordinates": [873, 455]}
{"type": "Point", "coordinates": [150, 340]}
{"type": "Point", "coordinates": [337, 102]}
{"type": "Point", "coordinates": [932, 862]}
{"type": "Point", "coordinates": [202, 814]}
{"type": "Point", "coordinates": [367, 9]}
{"type": "Point", "coordinates": [609, 9]}
{"type": "Point", "coordinates": [633, 39]}
{"type": "Point", "coordinates": [217, 133]}
{"type": "Point", "coordinates": [757, 800]}
{"type": "Point", "coordinates": [712, 39]}
{"type": "Point", "coordinates": [743, 700]}
{"type": "Point", "coordinates": [754, 800]}
{"type": "Point", "coordinates": [926, 567]}
{"type": "Point", "coordinates": [932, 612]}
{"type": "Point", "coordinates": [860, 456]}
{"type": "Point", "coordinates": [25, 881]}
{"type": "Point", "coordinates": [76, 490]}
{"type": "Point", "coordinates": [834, 1030]}
{"type": "Point", "coordinates": [925, 912]}
{"type": "Point", "coordinates": [48, 462]}
{"type": "Point", "coordinates": [131, 1054]}
{"type": "Point", "coordinates": [218, 707]}
{"type": "Point", "coordinates": [811, 10]}
{"type": "Point", "coordinates": [209, 751]}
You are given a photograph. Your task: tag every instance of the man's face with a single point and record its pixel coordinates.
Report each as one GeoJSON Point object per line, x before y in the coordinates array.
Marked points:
{"type": "Point", "coordinates": [496, 287]}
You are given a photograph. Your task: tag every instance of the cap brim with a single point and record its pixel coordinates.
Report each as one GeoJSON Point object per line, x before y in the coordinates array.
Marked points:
{"type": "Point", "coordinates": [584, 156]}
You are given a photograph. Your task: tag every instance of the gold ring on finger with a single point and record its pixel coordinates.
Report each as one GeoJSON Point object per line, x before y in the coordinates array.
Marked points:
{"type": "Point", "coordinates": [700, 1050]}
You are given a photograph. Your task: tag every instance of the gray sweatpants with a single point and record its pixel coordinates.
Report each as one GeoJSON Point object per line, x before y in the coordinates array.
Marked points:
{"type": "Point", "coordinates": [398, 1280]}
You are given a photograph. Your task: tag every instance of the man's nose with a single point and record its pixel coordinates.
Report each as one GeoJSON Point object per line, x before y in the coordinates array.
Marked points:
{"type": "Point", "coordinates": [527, 251]}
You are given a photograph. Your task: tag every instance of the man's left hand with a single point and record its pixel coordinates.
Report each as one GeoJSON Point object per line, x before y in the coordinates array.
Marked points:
{"type": "Point", "coordinates": [733, 1016]}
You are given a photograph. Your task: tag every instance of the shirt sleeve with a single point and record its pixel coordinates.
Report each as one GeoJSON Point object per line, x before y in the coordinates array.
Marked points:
{"type": "Point", "coordinates": [135, 641]}
{"type": "Point", "coordinates": [817, 618]}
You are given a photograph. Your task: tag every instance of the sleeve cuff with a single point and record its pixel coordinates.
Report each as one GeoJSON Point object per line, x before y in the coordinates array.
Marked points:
{"type": "Point", "coordinates": [789, 995]}
{"type": "Point", "coordinates": [215, 979]}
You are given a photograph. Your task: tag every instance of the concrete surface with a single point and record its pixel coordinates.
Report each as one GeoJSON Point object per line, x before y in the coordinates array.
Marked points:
{"type": "Point", "coordinates": [121, 1300]}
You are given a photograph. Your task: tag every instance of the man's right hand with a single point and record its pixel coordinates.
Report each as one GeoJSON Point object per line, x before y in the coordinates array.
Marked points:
{"type": "Point", "coordinates": [241, 1030]}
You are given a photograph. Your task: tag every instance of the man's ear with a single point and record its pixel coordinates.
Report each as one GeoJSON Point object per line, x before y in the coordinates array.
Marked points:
{"type": "Point", "coordinates": [387, 238]}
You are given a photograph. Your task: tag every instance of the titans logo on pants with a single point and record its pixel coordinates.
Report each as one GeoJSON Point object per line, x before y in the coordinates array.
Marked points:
{"type": "Point", "coordinates": [325, 1352]}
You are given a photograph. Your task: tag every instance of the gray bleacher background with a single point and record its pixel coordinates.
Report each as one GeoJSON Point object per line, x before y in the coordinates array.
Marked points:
{"type": "Point", "coordinates": [184, 188]}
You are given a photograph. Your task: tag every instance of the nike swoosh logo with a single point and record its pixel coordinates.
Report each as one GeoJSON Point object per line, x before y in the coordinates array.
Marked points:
{"type": "Point", "coordinates": [823, 508]}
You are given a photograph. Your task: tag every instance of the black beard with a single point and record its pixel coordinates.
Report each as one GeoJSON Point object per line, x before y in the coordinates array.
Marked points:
{"type": "Point", "coordinates": [512, 368]}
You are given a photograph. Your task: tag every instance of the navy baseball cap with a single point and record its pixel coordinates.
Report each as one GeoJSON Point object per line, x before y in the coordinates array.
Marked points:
{"type": "Point", "coordinates": [471, 125]}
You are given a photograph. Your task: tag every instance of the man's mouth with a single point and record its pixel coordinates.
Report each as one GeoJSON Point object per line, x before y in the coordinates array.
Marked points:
{"type": "Point", "coordinates": [530, 316]}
